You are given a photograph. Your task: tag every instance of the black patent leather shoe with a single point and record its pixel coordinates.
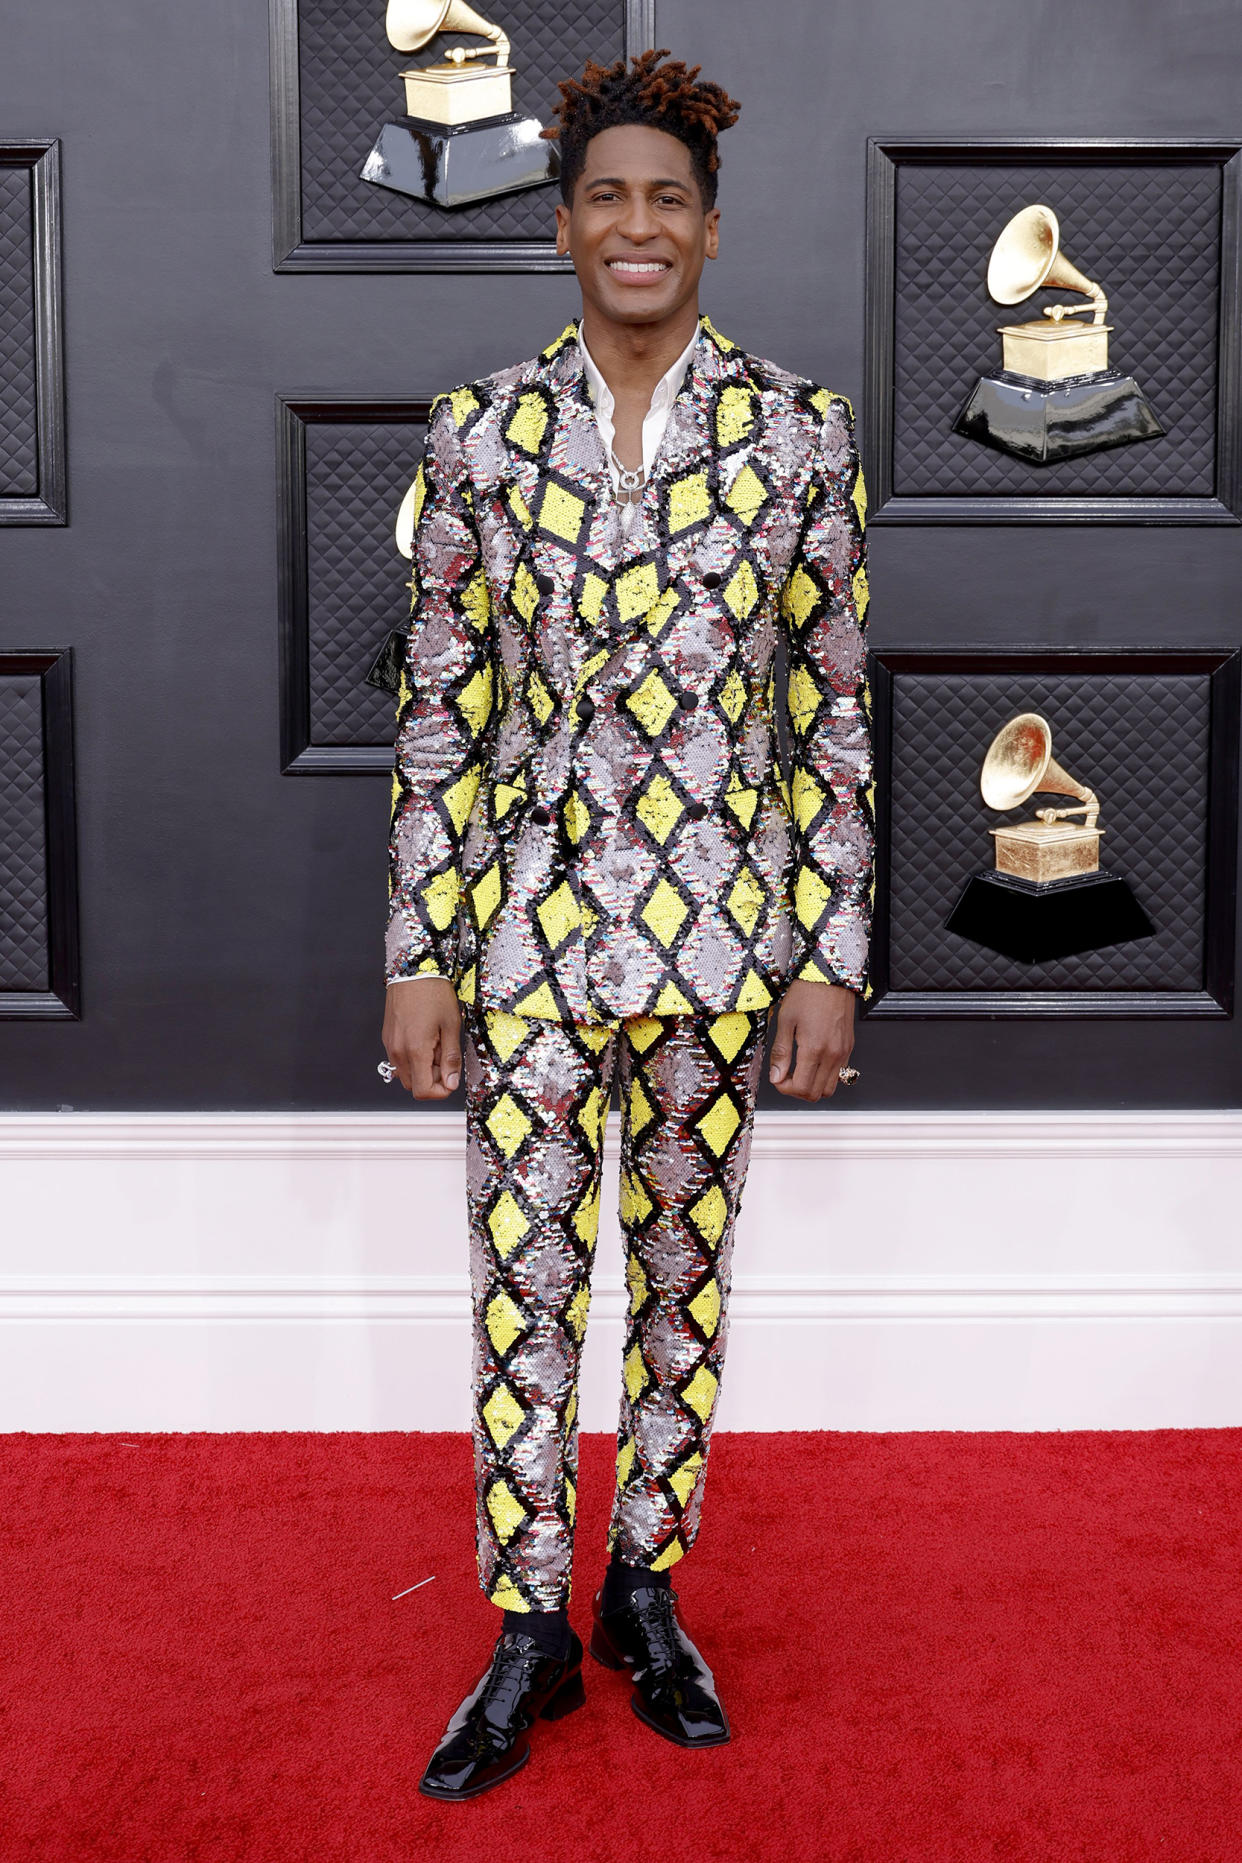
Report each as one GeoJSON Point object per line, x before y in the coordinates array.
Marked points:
{"type": "Point", "coordinates": [674, 1690]}
{"type": "Point", "coordinates": [488, 1739]}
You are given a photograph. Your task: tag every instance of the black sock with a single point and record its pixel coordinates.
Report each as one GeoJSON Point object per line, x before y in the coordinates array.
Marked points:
{"type": "Point", "coordinates": [550, 1629]}
{"type": "Point", "coordinates": [621, 1581]}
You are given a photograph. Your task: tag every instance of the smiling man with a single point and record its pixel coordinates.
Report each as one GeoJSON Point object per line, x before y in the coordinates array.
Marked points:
{"type": "Point", "coordinates": [602, 871]}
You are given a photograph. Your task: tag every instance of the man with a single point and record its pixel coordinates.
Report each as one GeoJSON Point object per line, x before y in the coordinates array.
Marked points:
{"type": "Point", "coordinates": [596, 852]}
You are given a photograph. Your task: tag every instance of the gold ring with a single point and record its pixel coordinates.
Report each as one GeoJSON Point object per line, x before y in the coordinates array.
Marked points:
{"type": "Point", "coordinates": [847, 1074]}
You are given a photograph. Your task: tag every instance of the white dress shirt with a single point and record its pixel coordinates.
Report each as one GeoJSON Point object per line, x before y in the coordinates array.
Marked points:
{"type": "Point", "coordinates": [654, 421]}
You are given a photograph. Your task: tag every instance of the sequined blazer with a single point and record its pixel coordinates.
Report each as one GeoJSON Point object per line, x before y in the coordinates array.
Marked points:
{"type": "Point", "coordinates": [591, 816]}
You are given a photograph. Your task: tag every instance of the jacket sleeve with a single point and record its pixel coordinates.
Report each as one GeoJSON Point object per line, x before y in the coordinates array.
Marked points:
{"type": "Point", "coordinates": [444, 709]}
{"type": "Point", "coordinates": [831, 790]}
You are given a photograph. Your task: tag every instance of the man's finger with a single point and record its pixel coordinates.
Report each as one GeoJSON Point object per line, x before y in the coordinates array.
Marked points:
{"type": "Point", "coordinates": [782, 1050]}
{"type": "Point", "coordinates": [450, 1054]}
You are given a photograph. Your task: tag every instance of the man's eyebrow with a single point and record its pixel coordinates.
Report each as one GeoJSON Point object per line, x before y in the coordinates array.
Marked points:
{"type": "Point", "coordinates": [619, 181]}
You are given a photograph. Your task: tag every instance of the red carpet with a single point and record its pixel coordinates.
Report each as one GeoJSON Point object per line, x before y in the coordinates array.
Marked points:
{"type": "Point", "coordinates": [936, 1648]}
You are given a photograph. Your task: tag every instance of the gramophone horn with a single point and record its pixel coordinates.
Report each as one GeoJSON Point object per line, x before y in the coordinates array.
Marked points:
{"type": "Point", "coordinates": [410, 23]}
{"type": "Point", "coordinates": [1020, 762]}
{"type": "Point", "coordinates": [1028, 254]}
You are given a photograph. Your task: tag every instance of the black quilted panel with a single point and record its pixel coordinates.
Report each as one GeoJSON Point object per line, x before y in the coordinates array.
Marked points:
{"type": "Point", "coordinates": [356, 476]}
{"type": "Point", "coordinates": [1139, 740]}
{"type": "Point", "coordinates": [1148, 234]}
{"type": "Point", "coordinates": [19, 465]}
{"type": "Point", "coordinates": [23, 877]}
{"type": "Point", "coordinates": [350, 86]}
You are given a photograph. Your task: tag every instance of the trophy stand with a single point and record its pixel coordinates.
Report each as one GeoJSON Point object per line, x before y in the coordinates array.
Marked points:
{"type": "Point", "coordinates": [1047, 896]}
{"type": "Point", "coordinates": [1055, 396]}
{"type": "Point", "coordinates": [460, 140]}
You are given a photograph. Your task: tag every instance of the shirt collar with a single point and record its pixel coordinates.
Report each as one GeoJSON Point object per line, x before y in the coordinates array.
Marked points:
{"type": "Point", "coordinates": [663, 393]}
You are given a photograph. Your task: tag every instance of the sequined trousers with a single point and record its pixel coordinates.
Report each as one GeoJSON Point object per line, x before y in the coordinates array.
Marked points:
{"type": "Point", "coordinates": [537, 1096]}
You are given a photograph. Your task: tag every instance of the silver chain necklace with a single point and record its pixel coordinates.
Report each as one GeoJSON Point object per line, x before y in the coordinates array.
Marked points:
{"type": "Point", "coordinates": [630, 484]}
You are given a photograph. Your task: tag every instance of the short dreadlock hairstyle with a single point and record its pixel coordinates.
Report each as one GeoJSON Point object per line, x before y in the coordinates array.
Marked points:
{"type": "Point", "coordinates": [658, 96]}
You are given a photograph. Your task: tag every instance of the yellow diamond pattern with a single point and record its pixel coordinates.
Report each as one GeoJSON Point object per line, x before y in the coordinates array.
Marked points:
{"type": "Point", "coordinates": [811, 895]}
{"type": "Point", "coordinates": [652, 704]}
{"type": "Point", "coordinates": [801, 597]}
{"type": "Point", "coordinates": [558, 915]}
{"type": "Point", "coordinates": [700, 1393]}
{"type": "Point", "coordinates": [637, 1283]}
{"type": "Point", "coordinates": [507, 1033]}
{"type": "Point", "coordinates": [502, 1414]}
{"type": "Point", "coordinates": [635, 1205]}
{"type": "Point", "coordinates": [665, 912]}
{"type": "Point", "coordinates": [440, 896]}
{"type": "Point", "coordinates": [591, 598]}
{"type": "Point", "coordinates": [710, 1214]}
{"type": "Point", "coordinates": [625, 1461]}
{"type": "Point", "coordinates": [519, 507]}
{"type": "Point", "coordinates": [747, 495]}
{"type": "Point", "coordinates": [673, 1002]}
{"type": "Point", "coordinates": [803, 699]}
{"type": "Point", "coordinates": [485, 895]}
{"type": "Point", "coordinates": [504, 1321]}
{"type": "Point", "coordinates": [459, 797]}
{"type": "Point", "coordinates": [688, 502]}
{"type": "Point", "coordinates": [741, 591]}
{"type": "Point", "coordinates": [526, 428]}
{"type": "Point", "coordinates": [577, 817]}
{"type": "Point", "coordinates": [635, 1371]}
{"type": "Point", "coordinates": [637, 589]}
{"type": "Point", "coordinates": [659, 808]}
{"type": "Point", "coordinates": [523, 593]}
{"type": "Point", "coordinates": [754, 993]}
{"type": "Point", "coordinates": [705, 1307]}
{"type": "Point", "coordinates": [476, 602]}
{"type": "Point", "coordinates": [539, 698]}
{"type": "Point", "coordinates": [561, 512]}
{"type": "Point", "coordinates": [508, 1125]}
{"type": "Point", "coordinates": [728, 1033]}
{"type": "Point", "coordinates": [463, 403]}
{"type": "Point", "coordinates": [807, 797]}
{"type": "Point", "coordinates": [735, 415]}
{"type": "Point", "coordinates": [733, 696]}
{"type": "Point", "coordinates": [642, 1112]}
{"type": "Point", "coordinates": [719, 1123]}
{"type": "Point", "coordinates": [505, 1509]}
{"type": "Point", "coordinates": [507, 1224]}
{"type": "Point", "coordinates": [474, 701]}
{"type": "Point", "coordinates": [745, 901]}
{"type": "Point", "coordinates": [506, 1594]}
{"type": "Point", "coordinates": [576, 1313]}
{"type": "Point", "coordinates": [682, 1479]}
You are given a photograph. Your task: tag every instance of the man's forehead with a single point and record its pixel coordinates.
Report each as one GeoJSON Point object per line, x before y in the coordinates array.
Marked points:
{"type": "Point", "coordinates": [633, 152]}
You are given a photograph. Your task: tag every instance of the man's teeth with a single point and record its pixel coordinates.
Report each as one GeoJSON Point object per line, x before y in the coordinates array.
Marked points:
{"type": "Point", "coordinates": [637, 265]}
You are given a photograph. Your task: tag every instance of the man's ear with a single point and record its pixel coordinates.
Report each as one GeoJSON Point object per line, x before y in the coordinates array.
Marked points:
{"type": "Point", "coordinates": [563, 218]}
{"type": "Point", "coordinates": [711, 232]}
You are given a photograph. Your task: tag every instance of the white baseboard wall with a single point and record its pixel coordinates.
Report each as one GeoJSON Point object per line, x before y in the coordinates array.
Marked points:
{"type": "Point", "coordinates": [973, 1271]}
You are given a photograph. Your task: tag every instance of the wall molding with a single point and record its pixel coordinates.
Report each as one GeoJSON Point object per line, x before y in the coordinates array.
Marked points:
{"type": "Point", "coordinates": [431, 1137]}
{"type": "Point", "coordinates": [282, 1271]}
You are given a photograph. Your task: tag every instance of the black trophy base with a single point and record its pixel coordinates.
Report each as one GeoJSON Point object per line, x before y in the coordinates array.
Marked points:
{"type": "Point", "coordinates": [454, 167]}
{"type": "Point", "coordinates": [1035, 923]}
{"type": "Point", "coordinates": [1043, 422]}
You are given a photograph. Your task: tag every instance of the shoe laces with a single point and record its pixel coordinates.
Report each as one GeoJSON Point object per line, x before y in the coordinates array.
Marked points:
{"type": "Point", "coordinates": [514, 1661]}
{"type": "Point", "coordinates": [659, 1626]}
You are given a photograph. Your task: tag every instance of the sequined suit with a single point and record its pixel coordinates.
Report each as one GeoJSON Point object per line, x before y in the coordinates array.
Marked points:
{"type": "Point", "coordinates": [594, 838]}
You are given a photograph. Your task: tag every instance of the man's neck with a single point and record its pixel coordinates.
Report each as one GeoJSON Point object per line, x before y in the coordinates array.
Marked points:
{"type": "Point", "coordinates": [632, 357]}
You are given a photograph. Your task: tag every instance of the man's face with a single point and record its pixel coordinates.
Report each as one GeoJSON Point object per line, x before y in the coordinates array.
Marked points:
{"type": "Point", "coordinates": [637, 227]}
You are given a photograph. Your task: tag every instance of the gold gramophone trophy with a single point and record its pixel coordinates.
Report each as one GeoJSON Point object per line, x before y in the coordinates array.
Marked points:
{"type": "Point", "coordinates": [460, 140]}
{"type": "Point", "coordinates": [1055, 396]}
{"type": "Point", "coordinates": [1047, 896]}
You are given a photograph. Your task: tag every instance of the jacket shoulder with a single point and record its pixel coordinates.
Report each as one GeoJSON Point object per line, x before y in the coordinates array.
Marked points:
{"type": "Point", "coordinates": [781, 386]}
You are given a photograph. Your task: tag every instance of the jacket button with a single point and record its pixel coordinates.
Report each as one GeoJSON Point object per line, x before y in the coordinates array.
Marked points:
{"type": "Point", "coordinates": [696, 811]}
{"type": "Point", "coordinates": [620, 699]}
{"type": "Point", "coordinates": [711, 579]}
{"type": "Point", "coordinates": [544, 584]}
{"type": "Point", "coordinates": [688, 701]}
{"type": "Point", "coordinates": [586, 708]}
{"type": "Point", "coordinates": [540, 815]}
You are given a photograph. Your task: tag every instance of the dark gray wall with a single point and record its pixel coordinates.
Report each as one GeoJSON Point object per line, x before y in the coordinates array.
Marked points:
{"type": "Point", "coordinates": [231, 917]}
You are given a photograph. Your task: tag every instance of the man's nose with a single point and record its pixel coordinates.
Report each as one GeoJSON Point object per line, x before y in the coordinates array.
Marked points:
{"type": "Point", "coordinates": [637, 221]}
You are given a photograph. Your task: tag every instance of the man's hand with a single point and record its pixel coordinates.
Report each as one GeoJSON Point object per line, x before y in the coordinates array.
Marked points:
{"type": "Point", "coordinates": [422, 1034]}
{"type": "Point", "coordinates": [819, 1019]}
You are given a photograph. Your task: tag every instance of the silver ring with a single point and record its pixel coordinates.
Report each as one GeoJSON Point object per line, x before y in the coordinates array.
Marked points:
{"type": "Point", "coordinates": [847, 1074]}
{"type": "Point", "coordinates": [386, 1070]}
